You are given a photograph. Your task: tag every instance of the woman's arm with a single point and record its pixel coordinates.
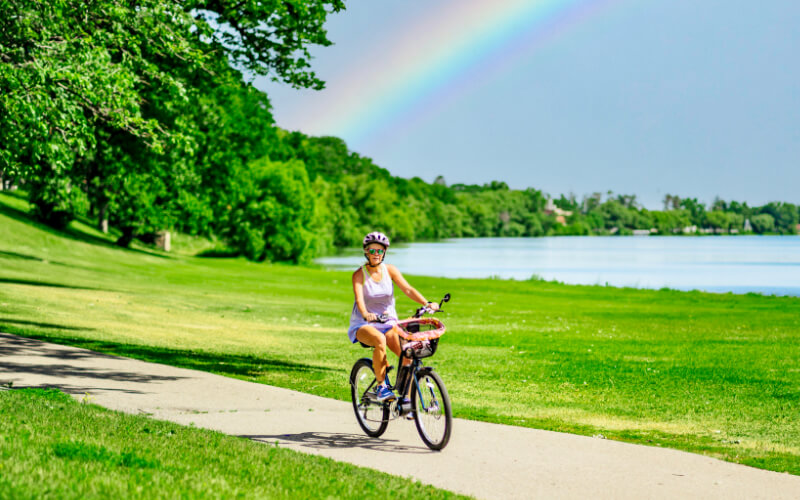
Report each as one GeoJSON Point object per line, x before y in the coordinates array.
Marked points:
{"type": "Point", "coordinates": [407, 289]}
{"type": "Point", "coordinates": [358, 290]}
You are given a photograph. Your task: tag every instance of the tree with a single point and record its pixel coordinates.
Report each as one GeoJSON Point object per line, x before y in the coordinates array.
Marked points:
{"type": "Point", "coordinates": [718, 219]}
{"type": "Point", "coordinates": [784, 215]}
{"type": "Point", "coordinates": [628, 200]}
{"type": "Point", "coordinates": [696, 210]}
{"type": "Point", "coordinates": [672, 202]}
{"type": "Point", "coordinates": [763, 223]}
{"type": "Point", "coordinates": [57, 83]}
{"type": "Point", "coordinates": [272, 220]}
{"type": "Point", "coordinates": [269, 38]}
{"type": "Point", "coordinates": [670, 221]}
{"type": "Point", "coordinates": [591, 202]}
{"type": "Point", "coordinates": [75, 75]}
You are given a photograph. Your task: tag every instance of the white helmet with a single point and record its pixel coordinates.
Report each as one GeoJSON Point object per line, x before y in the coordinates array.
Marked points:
{"type": "Point", "coordinates": [376, 237]}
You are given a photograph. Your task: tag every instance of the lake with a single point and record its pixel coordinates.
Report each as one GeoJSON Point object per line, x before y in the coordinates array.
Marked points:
{"type": "Point", "coordinates": [739, 264]}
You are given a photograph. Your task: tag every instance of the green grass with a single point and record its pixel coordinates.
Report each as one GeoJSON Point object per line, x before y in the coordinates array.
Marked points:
{"type": "Point", "coordinates": [52, 446]}
{"type": "Point", "coordinates": [708, 373]}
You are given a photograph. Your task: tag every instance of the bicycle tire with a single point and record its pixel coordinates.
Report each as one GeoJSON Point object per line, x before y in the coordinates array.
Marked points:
{"type": "Point", "coordinates": [433, 414]}
{"type": "Point", "coordinates": [361, 378]}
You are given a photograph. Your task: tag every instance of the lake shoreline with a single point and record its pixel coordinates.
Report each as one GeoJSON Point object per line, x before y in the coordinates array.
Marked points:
{"type": "Point", "coordinates": [746, 264]}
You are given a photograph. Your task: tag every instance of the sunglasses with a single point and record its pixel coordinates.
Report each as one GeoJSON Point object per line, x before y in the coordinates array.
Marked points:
{"type": "Point", "coordinates": [376, 251]}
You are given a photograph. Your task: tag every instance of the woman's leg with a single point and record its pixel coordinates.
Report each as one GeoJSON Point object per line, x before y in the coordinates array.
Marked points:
{"type": "Point", "coordinates": [372, 337]}
{"type": "Point", "coordinates": [393, 343]}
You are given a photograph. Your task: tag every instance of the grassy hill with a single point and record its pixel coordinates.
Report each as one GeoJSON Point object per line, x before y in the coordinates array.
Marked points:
{"type": "Point", "coordinates": [715, 374]}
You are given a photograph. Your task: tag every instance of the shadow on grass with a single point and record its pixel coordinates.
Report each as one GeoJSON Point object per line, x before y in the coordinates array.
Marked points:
{"type": "Point", "coordinates": [338, 440]}
{"type": "Point", "coordinates": [238, 365]}
{"type": "Point", "coordinates": [68, 232]}
{"type": "Point", "coordinates": [14, 281]}
{"type": "Point", "coordinates": [22, 256]}
{"type": "Point", "coordinates": [7, 321]}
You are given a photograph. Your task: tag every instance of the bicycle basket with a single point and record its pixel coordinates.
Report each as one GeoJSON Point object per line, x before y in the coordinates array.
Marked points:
{"type": "Point", "coordinates": [421, 329]}
{"type": "Point", "coordinates": [420, 348]}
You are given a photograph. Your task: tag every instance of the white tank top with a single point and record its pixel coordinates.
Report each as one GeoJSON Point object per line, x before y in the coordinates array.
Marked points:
{"type": "Point", "coordinates": [378, 296]}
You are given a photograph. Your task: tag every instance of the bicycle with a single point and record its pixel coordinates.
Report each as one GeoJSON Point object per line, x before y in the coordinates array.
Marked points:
{"type": "Point", "coordinates": [430, 403]}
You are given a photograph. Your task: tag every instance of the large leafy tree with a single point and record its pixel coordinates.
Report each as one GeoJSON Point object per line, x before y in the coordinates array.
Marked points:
{"type": "Point", "coordinates": [268, 37]}
{"type": "Point", "coordinates": [98, 97]}
{"type": "Point", "coordinates": [274, 215]}
{"type": "Point", "coordinates": [58, 81]}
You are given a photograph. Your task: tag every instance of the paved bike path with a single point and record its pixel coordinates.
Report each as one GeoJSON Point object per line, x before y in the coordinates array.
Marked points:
{"type": "Point", "coordinates": [482, 459]}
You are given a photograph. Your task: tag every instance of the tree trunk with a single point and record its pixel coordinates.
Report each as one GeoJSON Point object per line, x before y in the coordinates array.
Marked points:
{"type": "Point", "coordinates": [162, 241]}
{"type": "Point", "coordinates": [102, 218]}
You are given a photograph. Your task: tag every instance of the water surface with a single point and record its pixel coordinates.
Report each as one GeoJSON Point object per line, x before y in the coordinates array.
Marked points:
{"type": "Point", "coordinates": [739, 264]}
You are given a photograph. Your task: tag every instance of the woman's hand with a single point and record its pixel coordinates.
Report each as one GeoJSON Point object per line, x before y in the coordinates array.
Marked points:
{"type": "Point", "coordinates": [371, 317]}
{"type": "Point", "coordinates": [434, 306]}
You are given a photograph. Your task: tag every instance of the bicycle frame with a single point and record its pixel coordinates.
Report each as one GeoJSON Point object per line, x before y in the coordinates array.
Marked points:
{"type": "Point", "coordinates": [402, 387]}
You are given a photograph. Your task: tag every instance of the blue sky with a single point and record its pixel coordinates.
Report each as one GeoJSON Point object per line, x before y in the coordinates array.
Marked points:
{"type": "Point", "coordinates": [695, 98]}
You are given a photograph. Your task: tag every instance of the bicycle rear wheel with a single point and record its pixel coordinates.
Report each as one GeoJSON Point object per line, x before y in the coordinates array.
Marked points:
{"type": "Point", "coordinates": [373, 417]}
{"type": "Point", "coordinates": [432, 412]}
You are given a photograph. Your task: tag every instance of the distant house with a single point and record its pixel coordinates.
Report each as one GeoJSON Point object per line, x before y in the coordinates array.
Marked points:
{"type": "Point", "coordinates": [641, 232]}
{"type": "Point", "coordinates": [690, 230]}
{"type": "Point", "coordinates": [561, 215]}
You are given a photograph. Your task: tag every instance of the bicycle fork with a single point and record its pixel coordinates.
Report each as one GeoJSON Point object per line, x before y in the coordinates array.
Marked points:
{"type": "Point", "coordinates": [433, 401]}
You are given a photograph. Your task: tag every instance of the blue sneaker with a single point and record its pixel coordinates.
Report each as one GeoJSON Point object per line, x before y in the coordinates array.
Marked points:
{"type": "Point", "coordinates": [383, 393]}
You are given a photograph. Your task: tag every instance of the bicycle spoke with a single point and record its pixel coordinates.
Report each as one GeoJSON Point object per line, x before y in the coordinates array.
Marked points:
{"type": "Point", "coordinates": [371, 416]}
{"type": "Point", "coordinates": [431, 406]}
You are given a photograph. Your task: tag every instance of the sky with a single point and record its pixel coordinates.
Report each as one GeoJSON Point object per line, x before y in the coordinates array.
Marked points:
{"type": "Point", "coordinates": [647, 97]}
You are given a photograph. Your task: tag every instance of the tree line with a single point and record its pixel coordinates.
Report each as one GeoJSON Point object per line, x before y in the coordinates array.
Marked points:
{"type": "Point", "coordinates": [139, 116]}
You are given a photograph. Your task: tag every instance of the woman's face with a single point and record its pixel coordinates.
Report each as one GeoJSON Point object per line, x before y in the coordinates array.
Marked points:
{"type": "Point", "coordinates": [374, 253]}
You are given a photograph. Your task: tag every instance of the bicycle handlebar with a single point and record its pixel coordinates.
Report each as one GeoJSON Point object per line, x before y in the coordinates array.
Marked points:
{"type": "Point", "coordinates": [427, 310]}
{"type": "Point", "coordinates": [383, 318]}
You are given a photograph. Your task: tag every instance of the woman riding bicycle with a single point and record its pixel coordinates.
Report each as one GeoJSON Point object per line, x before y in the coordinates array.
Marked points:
{"type": "Point", "coordinates": [373, 286]}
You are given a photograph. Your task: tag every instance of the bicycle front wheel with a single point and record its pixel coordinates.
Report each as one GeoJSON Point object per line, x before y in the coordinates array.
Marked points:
{"type": "Point", "coordinates": [432, 412]}
{"type": "Point", "coordinates": [373, 417]}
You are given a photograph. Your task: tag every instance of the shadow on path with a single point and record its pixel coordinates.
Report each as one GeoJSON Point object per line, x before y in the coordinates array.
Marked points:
{"type": "Point", "coordinates": [62, 370]}
{"type": "Point", "coordinates": [335, 440]}
{"type": "Point", "coordinates": [11, 345]}
{"type": "Point", "coordinates": [65, 365]}
{"type": "Point", "coordinates": [213, 362]}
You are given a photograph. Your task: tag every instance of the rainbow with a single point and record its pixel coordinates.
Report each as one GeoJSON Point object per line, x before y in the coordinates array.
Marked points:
{"type": "Point", "coordinates": [458, 46]}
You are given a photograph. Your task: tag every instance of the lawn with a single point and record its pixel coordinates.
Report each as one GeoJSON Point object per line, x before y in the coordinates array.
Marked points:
{"type": "Point", "coordinates": [708, 373]}
{"type": "Point", "coordinates": [56, 447]}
